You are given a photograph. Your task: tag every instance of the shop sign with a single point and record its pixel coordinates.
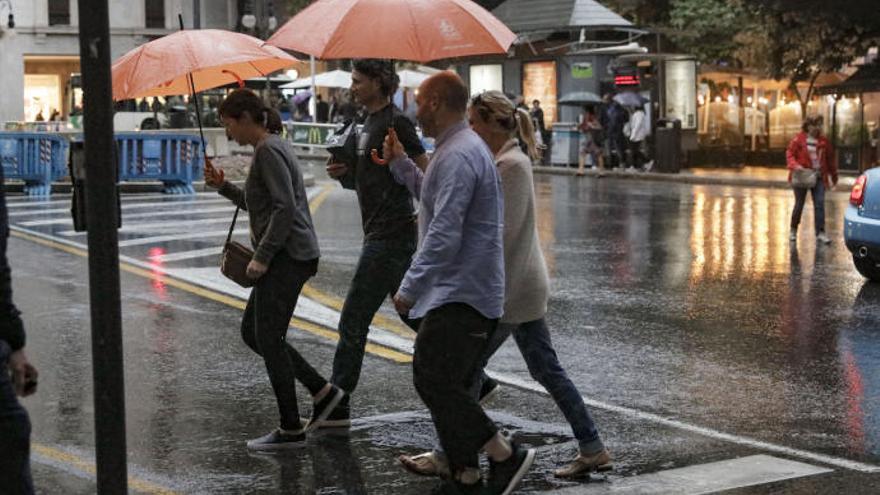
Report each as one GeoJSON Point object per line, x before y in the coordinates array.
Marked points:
{"type": "Point", "coordinates": [582, 70]}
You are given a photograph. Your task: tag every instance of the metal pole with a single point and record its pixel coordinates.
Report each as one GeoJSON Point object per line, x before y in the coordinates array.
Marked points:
{"type": "Point", "coordinates": [312, 107]}
{"type": "Point", "coordinates": [101, 214]}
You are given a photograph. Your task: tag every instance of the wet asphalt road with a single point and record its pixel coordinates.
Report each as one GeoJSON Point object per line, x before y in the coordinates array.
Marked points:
{"type": "Point", "coordinates": [683, 314]}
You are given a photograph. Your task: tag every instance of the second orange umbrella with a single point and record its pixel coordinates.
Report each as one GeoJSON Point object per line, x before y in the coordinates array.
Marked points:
{"type": "Point", "coordinates": [417, 30]}
{"type": "Point", "coordinates": [214, 58]}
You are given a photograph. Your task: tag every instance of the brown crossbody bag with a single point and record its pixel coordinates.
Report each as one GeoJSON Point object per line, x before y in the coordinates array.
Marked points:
{"type": "Point", "coordinates": [235, 258]}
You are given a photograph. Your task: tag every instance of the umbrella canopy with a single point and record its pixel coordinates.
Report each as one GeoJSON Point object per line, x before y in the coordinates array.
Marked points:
{"type": "Point", "coordinates": [579, 98]}
{"type": "Point", "coordinates": [332, 79]}
{"type": "Point", "coordinates": [419, 30]}
{"type": "Point", "coordinates": [214, 58]}
{"type": "Point", "coordinates": [629, 99]}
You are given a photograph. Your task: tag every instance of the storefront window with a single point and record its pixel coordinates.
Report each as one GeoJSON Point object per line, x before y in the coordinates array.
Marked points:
{"type": "Point", "coordinates": [155, 14]}
{"type": "Point", "coordinates": [42, 96]}
{"type": "Point", "coordinates": [59, 12]}
{"type": "Point", "coordinates": [486, 78]}
{"type": "Point", "coordinates": [719, 115]}
{"type": "Point", "coordinates": [849, 122]}
{"type": "Point", "coordinates": [681, 98]}
{"type": "Point", "coordinates": [539, 83]}
{"type": "Point", "coordinates": [785, 123]}
{"type": "Point", "coordinates": [872, 126]}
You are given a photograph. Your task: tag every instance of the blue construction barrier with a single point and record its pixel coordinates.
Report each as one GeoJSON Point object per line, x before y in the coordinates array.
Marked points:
{"type": "Point", "coordinates": [174, 159]}
{"type": "Point", "coordinates": [35, 158]}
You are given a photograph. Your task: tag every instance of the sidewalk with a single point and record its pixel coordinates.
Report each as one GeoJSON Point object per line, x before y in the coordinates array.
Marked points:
{"type": "Point", "coordinates": [745, 177]}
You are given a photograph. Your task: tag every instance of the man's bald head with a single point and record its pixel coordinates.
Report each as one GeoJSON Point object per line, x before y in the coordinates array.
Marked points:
{"type": "Point", "coordinates": [449, 90]}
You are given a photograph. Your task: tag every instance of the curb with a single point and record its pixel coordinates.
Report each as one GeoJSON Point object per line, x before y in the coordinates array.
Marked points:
{"type": "Point", "coordinates": [139, 187]}
{"type": "Point", "coordinates": [676, 178]}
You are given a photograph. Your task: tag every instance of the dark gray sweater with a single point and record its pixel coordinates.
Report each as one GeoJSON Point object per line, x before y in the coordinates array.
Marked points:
{"type": "Point", "coordinates": [11, 327]}
{"type": "Point", "coordinates": [275, 198]}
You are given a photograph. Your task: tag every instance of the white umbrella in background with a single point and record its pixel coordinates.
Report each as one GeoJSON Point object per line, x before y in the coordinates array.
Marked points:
{"type": "Point", "coordinates": [332, 79]}
{"type": "Point", "coordinates": [411, 78]}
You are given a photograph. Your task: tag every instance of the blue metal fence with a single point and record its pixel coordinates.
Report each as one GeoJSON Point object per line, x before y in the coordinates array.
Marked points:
{"type": "Point", "coordinates": [35, 158]}
{"type": "Point", "coordinates": [174, 159]}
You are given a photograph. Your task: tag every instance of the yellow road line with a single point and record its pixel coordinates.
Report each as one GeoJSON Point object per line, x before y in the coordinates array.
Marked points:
{"type": "Point", "coordinates": [234, 302]}
{"type": "Point", "coordinates": [89, 467]}
{"type": "Point", "coordinates": [336, 303]}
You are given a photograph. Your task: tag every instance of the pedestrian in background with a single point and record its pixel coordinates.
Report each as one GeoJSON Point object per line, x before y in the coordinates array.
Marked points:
{"type": "Point", "coordinates": [812, 167]}
{"type": "Point", "coordinates": [612, 120]}
{"type": "Point", "coordinates": [18, 377]}
{"type": "Point", "coordinates": [322, 110]}
{"type": "Point", "coordinates": [636, 131]}
{"type": "Point", "coordinates": [285, 257]}
{"type": "Point", "coordinates": [388, 219]}
{"type": "Point", "coordinates": [455, 285]}
{"type": "Point", "coordinates": [492, 117]}
{"type": "Point", "coordinates": [591, 142]}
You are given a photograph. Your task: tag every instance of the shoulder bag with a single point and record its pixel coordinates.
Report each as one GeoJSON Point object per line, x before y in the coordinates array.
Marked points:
{"type": "Point", "coordinates": [235, 258]}
{"type": "Point", "coordinates": [804, 178]}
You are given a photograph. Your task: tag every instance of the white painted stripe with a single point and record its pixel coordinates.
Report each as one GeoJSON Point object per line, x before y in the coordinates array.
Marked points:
{"type": "Point", "coordinates": [167, 227]}
{"type": "Point", "coordinates": [21, 202]}
{"type": "Point", "coordinates": [186, 255]}
{"type": "Point", "coordinates": [177, 237]}
{"type": "Point", "coordinates": [704, 478]}
{"type": "Point", "coordinates": [126, 217]}
{"type": "Point", "coordinates": [131, 206]}
{"type": "Point", "coordinates": [320, 314]}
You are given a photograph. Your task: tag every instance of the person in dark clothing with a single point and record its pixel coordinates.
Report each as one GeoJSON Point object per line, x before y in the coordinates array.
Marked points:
{"type": "Point", "coordinates": [18, 377]}
{"type": "Point", "coordinates": [387, 215]}
{"type": "Point", "coordinates": [322, 110]}
{"type": "Point", "coordinates": [612, 120]}
{"type": "Point", "coordinates": [285, 257]}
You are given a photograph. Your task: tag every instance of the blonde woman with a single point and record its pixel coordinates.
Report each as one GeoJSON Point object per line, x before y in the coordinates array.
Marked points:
{"type": "Point", "coordinates": [509, 133]}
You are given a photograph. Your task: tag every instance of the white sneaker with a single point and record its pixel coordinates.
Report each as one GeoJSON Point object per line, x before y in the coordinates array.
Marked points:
{"type": "Point", "coordinates": [792, 236]}
{"type": "Point", "coordinates": [824, 239]}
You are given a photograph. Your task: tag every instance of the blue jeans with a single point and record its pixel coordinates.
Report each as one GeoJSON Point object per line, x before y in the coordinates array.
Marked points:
{"type": "Point", "coordinates": [800, 199]}
{"type": "Point", "coordinates": [379, 272]}
{"type": "Point", "coordinates": [15, 435]}
{"type": "Point", "coordinates": [533, 340]}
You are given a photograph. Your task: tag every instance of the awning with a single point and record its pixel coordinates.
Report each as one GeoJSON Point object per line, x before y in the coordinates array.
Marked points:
{"type": "Point", "coordinates": [865, 80]}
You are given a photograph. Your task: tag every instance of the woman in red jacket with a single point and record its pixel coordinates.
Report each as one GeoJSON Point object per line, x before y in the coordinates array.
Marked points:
{"type": "Point", "coordinates": [811, 150]}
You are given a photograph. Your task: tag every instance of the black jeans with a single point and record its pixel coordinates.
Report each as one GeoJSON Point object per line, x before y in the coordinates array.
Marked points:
{"type": "Point", "coordinates": [449, 348]}
{"type": "Point", "coordinates": [800, 199]}
{"type": "Point", "coordinates": [264, 329]}
{"type": "Point", "coordinates": [379, 273]}
{"type": "Point", "coordinates": [15, 435]}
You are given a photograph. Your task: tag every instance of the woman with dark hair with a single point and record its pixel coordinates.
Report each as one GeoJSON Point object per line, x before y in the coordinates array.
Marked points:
{"type": "Point", "coordinates": [812, 168]}
{"type": "Point", "coordinates": [285, 257]}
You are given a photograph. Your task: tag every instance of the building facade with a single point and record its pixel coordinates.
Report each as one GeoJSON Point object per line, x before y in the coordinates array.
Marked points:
{"type": "Point", "coordinates": [40, 54]}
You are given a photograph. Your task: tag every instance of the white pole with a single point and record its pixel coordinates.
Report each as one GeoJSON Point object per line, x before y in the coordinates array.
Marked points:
{"type": "Point", "coordinates": [312, 107]}
{"type": "Point", "coordinates": [754, 115]}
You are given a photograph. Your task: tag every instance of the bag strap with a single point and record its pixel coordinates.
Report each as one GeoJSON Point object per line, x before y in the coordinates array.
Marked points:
{"type": "Point", "coordinates": [231, 227]}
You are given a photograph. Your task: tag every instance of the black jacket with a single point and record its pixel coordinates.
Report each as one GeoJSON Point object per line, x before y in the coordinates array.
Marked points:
{"type": "Point", "coordinates": [11, 327]}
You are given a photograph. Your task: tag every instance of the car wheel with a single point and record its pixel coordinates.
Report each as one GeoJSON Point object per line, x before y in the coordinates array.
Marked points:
{"type": "Point", "coordinates": [868, 267]}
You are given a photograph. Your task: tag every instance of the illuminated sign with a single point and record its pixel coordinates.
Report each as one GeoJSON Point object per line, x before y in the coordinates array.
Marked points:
{"type": "Point", "coordinates": [626, 80]}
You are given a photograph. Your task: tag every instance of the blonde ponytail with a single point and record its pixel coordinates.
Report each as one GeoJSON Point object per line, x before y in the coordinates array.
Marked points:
{"type": "Point", "coordinates": [526, 132]}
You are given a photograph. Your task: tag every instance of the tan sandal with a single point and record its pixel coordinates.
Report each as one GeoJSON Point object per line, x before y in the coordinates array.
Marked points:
{"type": "Point", "coordinates": [583, 465]}
{"type": "Point", "coordinates": [427, 464]}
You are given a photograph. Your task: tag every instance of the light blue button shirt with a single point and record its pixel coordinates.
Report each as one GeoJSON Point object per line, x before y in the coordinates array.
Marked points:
{"type": "Point", "coordinates": [461, 224]}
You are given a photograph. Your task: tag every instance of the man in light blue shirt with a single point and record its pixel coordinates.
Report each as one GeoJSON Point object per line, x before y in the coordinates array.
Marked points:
{"type": "Point", "coordinates": [455, 284]}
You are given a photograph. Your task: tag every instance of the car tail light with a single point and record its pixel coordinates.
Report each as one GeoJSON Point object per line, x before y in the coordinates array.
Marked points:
{"type": "Point", "coordinates": [857, 196]}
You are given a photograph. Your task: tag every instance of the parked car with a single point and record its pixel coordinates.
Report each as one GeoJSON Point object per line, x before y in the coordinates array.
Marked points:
{"type": "Point", "coordinates": [861, 229]}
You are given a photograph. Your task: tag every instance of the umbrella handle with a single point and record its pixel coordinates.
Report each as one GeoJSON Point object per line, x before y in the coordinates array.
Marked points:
{"type": "Point", "coordinates": [233, 74]}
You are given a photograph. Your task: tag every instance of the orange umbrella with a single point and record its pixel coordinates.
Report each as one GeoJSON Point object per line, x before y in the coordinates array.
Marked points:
{"type": "Point", "coordinates": [417, 30]}
{"type": "Point", "coordinates": [214, 58]}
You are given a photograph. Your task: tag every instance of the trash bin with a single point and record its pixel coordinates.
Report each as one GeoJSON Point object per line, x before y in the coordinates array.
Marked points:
{"type": "Point", "coordinates": [667, 153]}
{"type": "Point", "coordinates": [564, 144]}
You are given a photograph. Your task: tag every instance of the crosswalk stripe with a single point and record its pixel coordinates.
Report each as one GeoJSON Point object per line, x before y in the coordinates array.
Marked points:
{"type": "Point", "coordinates": [126, 217]}
{"type": "Point", "coordinates": [187, 255]}
{"type": "Point", "coordinates": [164, 226]}
{"type": "Point", "coordinates": [702, 479]}
{"type": "Point", "coordinates": [177, 237]}
{"type": "Point", "coordinates": [132, 206]}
